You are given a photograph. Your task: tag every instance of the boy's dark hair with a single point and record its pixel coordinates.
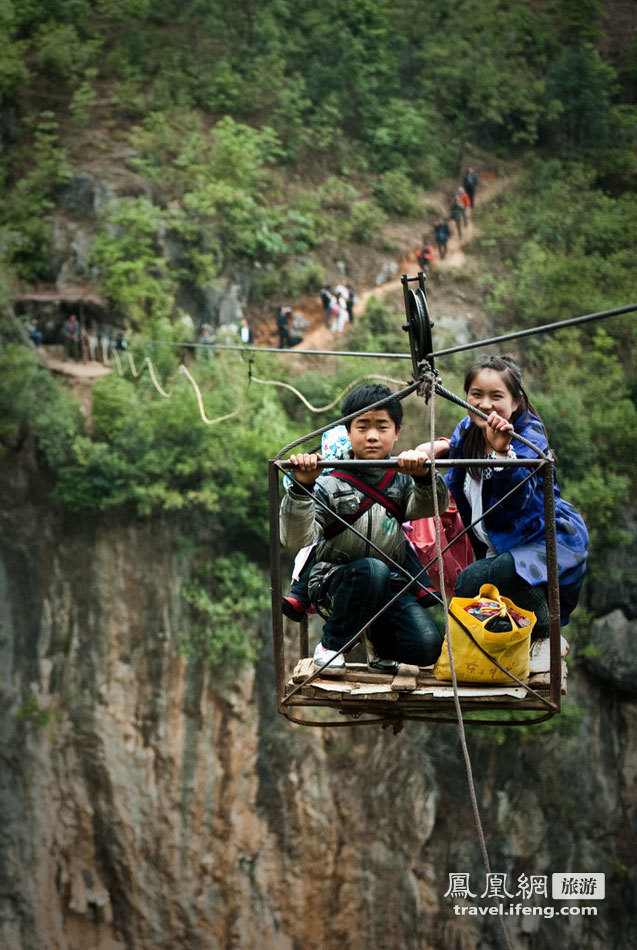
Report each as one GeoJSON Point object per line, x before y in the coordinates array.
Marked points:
{"type": "Point", "coordinates": [367, 393]}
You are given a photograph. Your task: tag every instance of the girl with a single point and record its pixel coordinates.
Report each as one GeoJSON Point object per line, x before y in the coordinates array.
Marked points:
{"type": "Point", "coordinates": [509, 542]}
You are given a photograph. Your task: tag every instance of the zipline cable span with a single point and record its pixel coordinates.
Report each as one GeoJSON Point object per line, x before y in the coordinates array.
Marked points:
{"type": "Point", "coordinates": [546, 328]}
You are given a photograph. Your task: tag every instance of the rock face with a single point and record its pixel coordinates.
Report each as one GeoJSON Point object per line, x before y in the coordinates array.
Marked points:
{"type": "Point", "coordinates": [148, 803]}
{"type": "Point", "coordinates": [610, 654]}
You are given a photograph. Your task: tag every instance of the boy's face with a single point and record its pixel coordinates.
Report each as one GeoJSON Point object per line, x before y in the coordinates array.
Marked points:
{"type": "Point", "coordinates": [373, 435]}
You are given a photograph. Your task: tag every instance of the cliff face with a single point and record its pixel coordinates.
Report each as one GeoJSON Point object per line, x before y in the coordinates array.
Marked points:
{"type": "Point", "coordinates": [147, 803]}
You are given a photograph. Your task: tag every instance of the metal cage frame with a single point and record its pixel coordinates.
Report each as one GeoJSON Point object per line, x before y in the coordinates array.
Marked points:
{"type": "Point", "coordinates": [406, 707]}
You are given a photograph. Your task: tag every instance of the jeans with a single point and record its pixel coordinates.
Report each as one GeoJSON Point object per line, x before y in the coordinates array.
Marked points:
{"type": "Point", "coordinates": [351, 595]}
{"type": "Point", "coordinates": [500, 571]}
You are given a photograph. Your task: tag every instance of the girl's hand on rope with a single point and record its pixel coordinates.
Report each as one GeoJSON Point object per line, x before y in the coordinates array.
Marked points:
{"type": "Point", "coordinates": [441, 448]}
{"type": "Point", "coordinates": [306, 469]}
{"type": "Point", "coordinates": [413, 462]}
{"type": "Point", "coordinates": [499, 432]}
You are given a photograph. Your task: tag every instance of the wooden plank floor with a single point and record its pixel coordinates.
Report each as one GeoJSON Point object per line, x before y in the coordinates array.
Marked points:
{"type": "Point", "coordinates": [412, 685]}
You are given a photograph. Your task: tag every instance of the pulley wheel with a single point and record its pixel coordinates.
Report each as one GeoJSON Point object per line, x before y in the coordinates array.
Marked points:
{"type": "Point", "coordinates": [419, 328]}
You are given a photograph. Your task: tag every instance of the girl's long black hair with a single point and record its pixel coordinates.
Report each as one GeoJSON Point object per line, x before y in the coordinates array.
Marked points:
{"type": "Point", "coordinates": [473, 442]}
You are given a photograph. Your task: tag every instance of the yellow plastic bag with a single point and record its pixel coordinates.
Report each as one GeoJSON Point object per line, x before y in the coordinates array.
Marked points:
{"type": "Point", "coordinates": [510, 648]}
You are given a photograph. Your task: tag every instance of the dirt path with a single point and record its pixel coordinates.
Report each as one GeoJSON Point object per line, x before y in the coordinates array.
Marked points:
{"type": "Point", "coordinates": [322, 338]}
{"type": "Point", "coordinates": [78, 376]}
{"type": "Point", "coordinates": [81, 376]}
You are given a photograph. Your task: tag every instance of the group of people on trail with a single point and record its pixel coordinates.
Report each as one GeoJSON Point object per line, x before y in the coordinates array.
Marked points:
{"type": "Point", "coordinates": [334, 517]}
{"type": "Point", "coordinates": [338, 306]}
{"type": "Point", "coordinates": [81, 342]}
{"type": "Point", "coordinates": [462, 200]}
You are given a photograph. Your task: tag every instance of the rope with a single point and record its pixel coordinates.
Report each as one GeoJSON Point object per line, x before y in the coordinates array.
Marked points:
{"type": "Point", "coordinates": [456, 699]}
{"type": "Point", "coordinates": [118, 363]}
{"type": "Point", "coordinates": [151, 370]}
{"type": "Point", "coordinates": [131, 363]}
{"type": "Point", "coordinates": [263, 382]}
{"type": "Point", "coordinates": [275, 382]}
{"type": "Point", "coordinates": [209, 422]}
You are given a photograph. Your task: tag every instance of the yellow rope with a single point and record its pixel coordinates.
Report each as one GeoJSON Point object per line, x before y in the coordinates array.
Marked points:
{"type": "Point", "coordinates": [118, 362]}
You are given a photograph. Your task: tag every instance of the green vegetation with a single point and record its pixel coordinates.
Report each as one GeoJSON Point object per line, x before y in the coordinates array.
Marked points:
{"type": "Point", "coordinates": [31, 713]}
{"type": "Point", "coordinates": [225, 601]}
{"type": "Point", "coordinates": [258, 143]}
{"type": "Point", "coordinates": [221, 105]}
{"type": "Point", "coordinates": [43, 409]}
{"type": "Point", "coordinates": [562, 247]}
{"type": "Point", "coordinates": [158, 455]}
{"type": "Point", "coordinates": [564, 726]}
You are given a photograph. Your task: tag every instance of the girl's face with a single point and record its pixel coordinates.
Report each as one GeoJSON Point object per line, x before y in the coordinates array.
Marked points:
{"type": "Point", "coordinates": [489, 392]}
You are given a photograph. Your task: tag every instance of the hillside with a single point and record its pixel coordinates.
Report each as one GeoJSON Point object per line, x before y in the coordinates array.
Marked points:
{"type": "Point", "coordinates": [166, 168]}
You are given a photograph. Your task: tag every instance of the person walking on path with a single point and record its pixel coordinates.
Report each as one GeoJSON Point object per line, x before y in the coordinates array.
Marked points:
{"type": "Point", "coordinates": [425, 255]}
{"type": "Point", "coordinates": [470, 183]}
{"type": "Point", "coordinates": [351, 300]}
{"type": "Point", "coordinates": [441, 230]}
{"type": "Point", "coordinates": [282, 318]}
{"type": "Point", "coordinates": [340, 311]}
{"type": "Point", "coordinates": [326, 300]}
{"type": "Point", "coordinates": [458, 213]}
{"type": "Point", "coordinates": [71, 336]}
{"type": "Point", "coordinates": [245, 332]}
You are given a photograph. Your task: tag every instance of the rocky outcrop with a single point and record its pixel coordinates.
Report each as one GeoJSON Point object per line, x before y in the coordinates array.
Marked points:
{"type": "Point", "coordinates": [609, 653]}
{"type": "Point", "coordinates": [149, 803]}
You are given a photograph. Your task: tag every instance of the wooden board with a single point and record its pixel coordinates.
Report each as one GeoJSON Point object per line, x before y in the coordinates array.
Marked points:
{"type": "Point", "coordinates": [356, 683]}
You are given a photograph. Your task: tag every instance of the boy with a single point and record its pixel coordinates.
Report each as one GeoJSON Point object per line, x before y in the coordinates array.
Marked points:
{"type": "Point", "coordinates": [350, 581]}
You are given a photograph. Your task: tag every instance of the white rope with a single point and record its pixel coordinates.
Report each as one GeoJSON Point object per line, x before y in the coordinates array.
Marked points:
{"type": "Point", "coordinates": [154, 378]}
{"type": "Point", "coordinates": [263, 382]}
{"type": "Point", "coordinates": [132, 364]}
{"type": "Point", "coordinates": [275, 382]}
{"type": "Point", "coordinates": [209, 422]}
{"type": "Point", "coordinates": [118, 362]}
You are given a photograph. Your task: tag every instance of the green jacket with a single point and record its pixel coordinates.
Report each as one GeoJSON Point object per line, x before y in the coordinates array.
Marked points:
{"type": "Point", "coordinates": [303, 521]}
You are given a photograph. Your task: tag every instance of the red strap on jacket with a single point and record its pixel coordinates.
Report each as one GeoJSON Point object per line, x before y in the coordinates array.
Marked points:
{"type": "Point", "coordinates": [373, 495]}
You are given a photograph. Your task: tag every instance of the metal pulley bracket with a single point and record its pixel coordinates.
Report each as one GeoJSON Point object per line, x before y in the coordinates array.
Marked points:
{"type": "Point", "coordinates": [418, 326]}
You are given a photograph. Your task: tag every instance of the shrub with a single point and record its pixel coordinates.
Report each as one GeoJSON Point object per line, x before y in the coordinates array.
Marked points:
{"type": "Point", "coordinates": [224, 599]}
{"type": "Point", "coordinates": [395, 193]}
{"type": "Point", "coordinates": [365, 221]}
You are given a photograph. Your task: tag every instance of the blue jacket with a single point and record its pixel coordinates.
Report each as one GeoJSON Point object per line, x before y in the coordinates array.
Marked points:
{"type": "Point", "coordinates": [517, 525]}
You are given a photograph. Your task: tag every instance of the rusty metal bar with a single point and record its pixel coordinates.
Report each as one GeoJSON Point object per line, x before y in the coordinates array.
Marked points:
{"type": "Point", "coordinates": [392, 463]}
{"type": "Point", "coordinates": [275, 574]}
{"type": "Point", "coordinates": [552, 586]}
